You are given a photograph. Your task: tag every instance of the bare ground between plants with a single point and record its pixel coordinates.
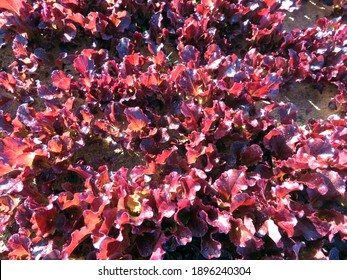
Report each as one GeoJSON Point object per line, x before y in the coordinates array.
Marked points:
{"type": "Point", "coordinates": [307, 15]}
{"type": "Point", "coordinates": [311, 103]}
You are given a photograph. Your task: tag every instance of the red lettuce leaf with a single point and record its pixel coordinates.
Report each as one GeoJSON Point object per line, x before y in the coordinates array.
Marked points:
{"type": "Point", "coordinates": [158, 251]}
{"type": "Point", "coordinates": [191, 56]}
{"type": "Point", "coordinates": [60, 80]}
{"type": "Point", "coordinates": [192, 114]}
{"type": "Point", "coordinates": [230, 183]}
{"type": "Point", "coordinates": [241, 199]}
{"type": "Point", "coordinates": [97, 25]}
{"type": "Point", "coordinates": [76, 238]}
{"type": "Point", "coordinates": [13, 5]}
{"type": "Point", "coordinates": [8, 186]}
{"type": "Point", "coordinates": [16, 152]}
{"type": "Point", "coordinates": [19, 247]}
{"type": "Point", "coordinates": [8, 81]}
{"type": "Point", "coordinates": [271, 229]}
{"type": "Point", "coordinates": [241, 231]}
{"type": "Point", "coordinates": [210, 248]}
{"type": "Point", "coordinates": [121, 20]}
{"type": "Point", "coordinates": [146, 243]}
{"type": "Point", "coordinates": [113, 248]}
{"type": "Point", "coordinates": [217, 219]}
{"type": "Point", "coordinates": [287, 187]}
{"type": "Point", "coordinates": [277, 144]}
{"type": "Point", "coordinates": [307, 229]}
{"type": "Point", "coordinates": [137, 119]}
{"type": "Point", "coordinates": [84, 65]}
{"type": "Point", "coordinates": [43, 221]}
{"type": "Point", "coordinates": [125, 47]}
{"type": "Point", "coordinates": [251, 155]}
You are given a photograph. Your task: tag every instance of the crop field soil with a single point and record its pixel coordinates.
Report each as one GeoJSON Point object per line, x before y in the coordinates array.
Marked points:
{"type": "Point", "coordinates": [170, 130]}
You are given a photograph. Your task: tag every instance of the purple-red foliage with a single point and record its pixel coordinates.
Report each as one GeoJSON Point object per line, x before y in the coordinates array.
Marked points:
{"type": "Point", "coordinates": [220, 178]}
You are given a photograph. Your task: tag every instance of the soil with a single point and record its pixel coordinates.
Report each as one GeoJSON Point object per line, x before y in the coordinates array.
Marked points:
{"type": "Point", "coordinates": [311, 103]}
{"type": "Point", "coordinates": [4, 236]}
{"type": "Point", "coordinates": [307, 15]}
{"type": "Point", "coordinates": [107, 152]}
{"type": "Point", "coordinates": [6, 59]}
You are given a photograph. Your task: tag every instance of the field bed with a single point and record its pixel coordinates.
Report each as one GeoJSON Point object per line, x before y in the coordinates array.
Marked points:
{"type": "Point", "coordinates": [173, 129]}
